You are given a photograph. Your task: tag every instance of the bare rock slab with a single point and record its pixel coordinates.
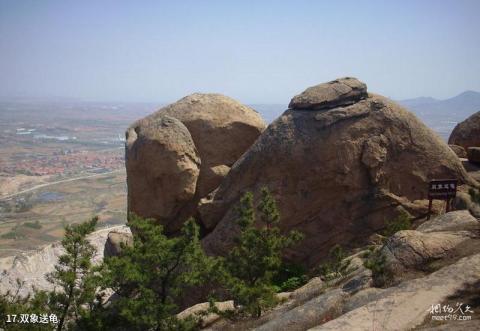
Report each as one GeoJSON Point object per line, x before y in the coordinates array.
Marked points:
{"type": "Point", "coordinates": [412, 248]}
{"type": "Point", "coordinates": [308, 314]}
{"type": "Point", "coordinates": [340, 92]}
{"type": "Point", "coordinates": [453, 221]}
{"type": "Point", "coordinates": [405, 306]}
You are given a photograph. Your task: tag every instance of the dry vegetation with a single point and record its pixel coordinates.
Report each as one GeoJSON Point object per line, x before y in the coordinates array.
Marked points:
{"type": "Point", "coordinates": [53, 206]}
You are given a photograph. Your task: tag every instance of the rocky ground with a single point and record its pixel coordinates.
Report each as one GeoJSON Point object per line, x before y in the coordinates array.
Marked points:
{"type": "Point", "coordinates": [30, 267]}
{"type": "Point", "coordinates": [436, 264]}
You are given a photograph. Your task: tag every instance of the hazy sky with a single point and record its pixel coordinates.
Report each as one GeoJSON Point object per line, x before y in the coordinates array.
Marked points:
{"type": "Point", "coordinates": [255, 51]}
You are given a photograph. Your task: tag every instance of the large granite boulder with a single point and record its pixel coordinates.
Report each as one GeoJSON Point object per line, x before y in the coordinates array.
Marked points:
{"type": "Point", "coordinates": [171, 164]}
{"type": "Point", "coordinates": [473, 154]}
{"type": "Point", "coordinates": [337, 173]}
{"type": "Point", "coordinates": [115, 242]}
{"type": "Point", "coordinates": [459, 150]}
{"type": "Point", "coordinates": [467, 133]}
{"type": "Point", "coordinates": [222, 130]}
{"type": "Point", "coordinates": [411, 248]}
{"type": "Point", "coordinates": [162, 168]}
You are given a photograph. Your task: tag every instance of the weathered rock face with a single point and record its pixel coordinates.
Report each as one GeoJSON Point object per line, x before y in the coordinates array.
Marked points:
{"type": "Point", "coordinates": [173, 163]}
{"type": "Point", "coordinates": [459, 150]}
{"type": "Point", "coordinates": [32, 267]}
{"type": "Point", "coordinates": [467, 133]}
{"type": "Point", "coordinates": [162, 168]}
{"type": "Point", "coordinates": [222, 130]}
{"type": "Point", "coordinates": [337, 173]}
{"type": "Point", "coordinates": [473, 154]}
{"type": "Point", "coordinates": [405, 306]}
{"type": "Point", "coordinates": [309, 314]}
{"type": "Point", "coordinates": [340, 92]}
{"type": "Point", "coordinates": [115, 240]}
{"type": "Point", "coordinates": [449, 241]}
{"type": "Point", "coordinates": [460, 220]}
{"type": "Point", "coordinates": [412, 248]}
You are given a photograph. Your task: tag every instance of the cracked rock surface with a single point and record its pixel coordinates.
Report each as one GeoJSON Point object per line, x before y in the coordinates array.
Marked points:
{"type": "Point", "coordinates": [338, 174]}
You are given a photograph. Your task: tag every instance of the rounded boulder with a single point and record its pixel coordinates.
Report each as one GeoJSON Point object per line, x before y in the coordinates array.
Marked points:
{"type": "Point", "coordinates": [337, 173]}
{"type": "Point", "coordinates": [467, 133]}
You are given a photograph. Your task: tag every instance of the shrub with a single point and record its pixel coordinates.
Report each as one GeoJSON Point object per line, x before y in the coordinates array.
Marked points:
{"type": "Point", "coordinates": [401, 222]}
{"type": "Point", "coordinates": [33, 225]}
{"type": "Point", "coordinates": [336, 266]}
{"type": "Point", "coordinates": [290, 277]}
{"type": "Point", "coordinates": [12, 305]}
{"type": "Point", "coordinates": [151, 275]}
{"type": "Point", "coordinates": [376, 262]}
{"type": "Point", "coordinates": [74, 275]}
{"type": "Point", "coordinates": [74, 289]}
{"type": "Point", "coordinates": [256, 258]}
{"type": "Point", "coordinates": [293, 283]}
{"type": "Point", "coordinates": [474, 195]}
{"type": "Point", "coordinates": [13, 234]}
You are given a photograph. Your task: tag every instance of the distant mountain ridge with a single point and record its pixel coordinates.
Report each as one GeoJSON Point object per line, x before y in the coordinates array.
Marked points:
{"type": "Point", "coordinates": [420, 101]}
{"type": "Point", "coordinates": [466, 103]}
{"type": "Point", "coordinates": [443, 115]}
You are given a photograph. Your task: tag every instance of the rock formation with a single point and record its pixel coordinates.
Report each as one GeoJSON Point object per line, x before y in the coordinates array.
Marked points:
{"type": "Point", "coordinates": [179, 154]}
{"type": "Point", "coordinates": [467, 133]}
{"type": "Point", "coordinates": [473, 154]}
{"type": "Point", "coordinates": [340, 92]}
{"type": "Point", "coordinates": [410, 248]}
{"type": "Point", "coordinates": [459, 150]}
{"type": "Point", "coordinates": [162, 168]}
{"type": "Point", "coordinates": [339, 165]}
{"type": "Point", "coordinates": [441, 264]}
{"type": "Point", "coordinates": [31, 267]}
{"type": "Point", "coordinates": [115, 241]}
{"type": "Point", "coordinates": [405, 306]}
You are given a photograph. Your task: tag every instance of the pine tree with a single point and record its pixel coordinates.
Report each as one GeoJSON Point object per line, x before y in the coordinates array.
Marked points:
{"type": "Point", "coordinates": [73, 277]}
{"type": "Point", "coordinates": [257, 254]}
{"type": "Point", "coordinates": [12, 305]}
{"type": "Point", "coordinates": [150, 275]}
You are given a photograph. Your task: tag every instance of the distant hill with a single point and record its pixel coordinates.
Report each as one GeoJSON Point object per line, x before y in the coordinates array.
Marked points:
{"type": "Point", "coordinates": [463, 105]}
{"type": "Point", "coordinates": [443, 115]}
{"type": "Point", "coordinates": [418, 102]}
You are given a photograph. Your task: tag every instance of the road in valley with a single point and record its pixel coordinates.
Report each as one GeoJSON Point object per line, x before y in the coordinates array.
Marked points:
{"type": "Point", "coordinates": [36, 187]}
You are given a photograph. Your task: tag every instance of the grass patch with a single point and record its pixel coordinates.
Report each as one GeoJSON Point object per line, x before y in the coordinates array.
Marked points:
{"type": "Point", "coordinates": [399, 223]}
{"type": "Point", "coordinates": [377, 263]}
{"type": "Point", "coordinates": [336, 266]}
{"type": "Point", "coordinates": [290, 277]}
{"type": "Point", "coordinates": [33, 225]}
{"type": "Point", "coordinates": [12, 235]}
